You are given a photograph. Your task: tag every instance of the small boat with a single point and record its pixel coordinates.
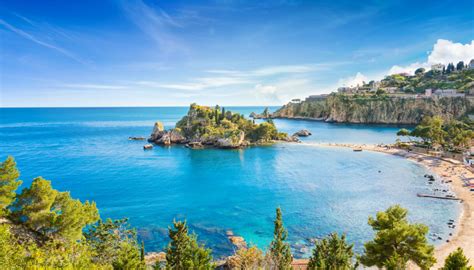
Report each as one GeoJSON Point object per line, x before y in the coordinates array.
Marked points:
{"type": "Point", "coordinates": [136, 138]}
{"type": "Point", "coordinates": [357, 149]}
{"type": "Point", "coordinates": [148, 146]}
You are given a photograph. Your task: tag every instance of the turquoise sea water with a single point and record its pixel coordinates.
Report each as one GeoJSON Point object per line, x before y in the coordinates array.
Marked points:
{"type": "Point", "coordinates": [320, 190]}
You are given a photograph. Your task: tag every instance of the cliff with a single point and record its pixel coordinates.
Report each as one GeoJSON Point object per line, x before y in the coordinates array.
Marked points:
{"type": "Point", "coordinates": [374, 109]}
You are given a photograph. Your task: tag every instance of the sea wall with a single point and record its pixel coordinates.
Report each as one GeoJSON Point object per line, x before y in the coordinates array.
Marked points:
{"type": "Point", "coordinates": [375, 109]}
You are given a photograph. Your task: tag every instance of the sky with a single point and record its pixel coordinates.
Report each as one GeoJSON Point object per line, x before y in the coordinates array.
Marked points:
{"type": "Point", "coordinates": [172, 53]}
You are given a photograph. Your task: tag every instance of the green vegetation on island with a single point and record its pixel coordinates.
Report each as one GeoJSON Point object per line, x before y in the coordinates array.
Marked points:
{"type": "Point", "coordinates": [206, 126]}
{"type": "Point", "coordinates": [42, 228]}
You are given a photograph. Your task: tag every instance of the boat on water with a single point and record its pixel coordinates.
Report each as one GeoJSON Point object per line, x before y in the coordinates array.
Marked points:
{"type": "Point", "coordinates": [357, 149]}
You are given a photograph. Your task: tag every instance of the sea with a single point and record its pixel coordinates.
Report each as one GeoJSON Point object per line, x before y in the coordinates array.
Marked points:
{"type": "Point", "coordinates": [320, 189]}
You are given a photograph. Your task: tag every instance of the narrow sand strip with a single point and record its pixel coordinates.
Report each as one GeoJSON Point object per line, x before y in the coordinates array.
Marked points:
{"type": "Point", "coordinates": [449, 170]}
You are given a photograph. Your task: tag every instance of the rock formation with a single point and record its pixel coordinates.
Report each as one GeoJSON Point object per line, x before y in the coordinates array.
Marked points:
{"type": "Point", "coordinates": [302, 133]}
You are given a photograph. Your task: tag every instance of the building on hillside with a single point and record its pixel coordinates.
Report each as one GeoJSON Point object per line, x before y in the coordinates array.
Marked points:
{"type": "Point", "coordinates": [428, 92]}
{"type": "Point", "coordinates": [316, 97]}
{"type": "Point", "coordinates": [374, 86]}
{"type": "Point", "coordinates": [345, 90]}
{"type": "Point", "coordinates": [390, 89]}
{"type": "Point", "coordinates": [448, 93]}
{"type": "Point", "coordinates": [437, 67]}
{"type": "Point", "coordinates": [471, 64]}
{"type": "Point", "coordinates": [296, 100]}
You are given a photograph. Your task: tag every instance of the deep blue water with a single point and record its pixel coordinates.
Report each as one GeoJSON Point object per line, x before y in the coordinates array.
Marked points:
{"type": "Point", "coordinates": [320, 190]}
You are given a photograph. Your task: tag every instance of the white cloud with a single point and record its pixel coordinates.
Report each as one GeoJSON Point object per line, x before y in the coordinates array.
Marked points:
{"type": "Point", "coordinates": [94, 86]}
{"type": "Point", "coordinates": [225, 77]}
{"type": "Point", "coordinates": [155, 23]}
{"type": "Point", "coordinates": [410, 69]}
{"type": "Point", "coordinates": [444, 52]}
{"type": "Point", "coordinates": [358, 79]}
{"type": "Point", "coordinates": [282, 90]}
{"type": "Point", "coordinates": [274, 70]}
{"type": "Point", "coordinates": [40, 42]}
{"type": "Point", "coordinates": [199, 83]}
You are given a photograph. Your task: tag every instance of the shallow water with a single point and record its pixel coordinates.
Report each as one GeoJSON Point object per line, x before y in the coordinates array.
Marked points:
{"type": "Point", "coordinates": [320, 190]}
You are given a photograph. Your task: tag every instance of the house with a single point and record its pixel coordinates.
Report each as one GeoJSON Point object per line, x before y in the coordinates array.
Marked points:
{"type": "Point", "coordinates": [316, 97]}
{"type": "Point", "coordinates": [471, 64]}
{"type": "Point", "coordinates": [448, 93]}
{"type": "Point", "coordinates": [296, 100]}
{"type": "Point", "coordinates": [437, 67]}
{"type": "Point", "coordinates": [345, 90]}
{"type": "Point", "coordinates": [374, 86]}
{"type": "Point", "coordinates": [390, 90]}
{"type": "Point", "coordinates": [428, 92]}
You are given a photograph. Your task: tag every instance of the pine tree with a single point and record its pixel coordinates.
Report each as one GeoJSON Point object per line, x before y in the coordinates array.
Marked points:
{"type": "Point", "coordinates": [397, 241]}
{"type": "Point", "coordinates": [33, 206]}
{"type": "Point", "coordinates": [142, 252]}
{"type": "Point", "coordinates": [112, 240]}
{"type": "Point", "coordinates": [8, 184]}
{"type": "Point", "coordinates": [280, 251]}
{"type": "Point", "coordinates": [53, 213]}
{"type": "Point", "coordinates": [456, 261]}
{"type": "Point", "coordinates": [332, 253]}
{"type": "Point", "coordinates": [183, 251]}
{"type": "Point", "coordinates": [223, 114]}
{"type": "Point", "coordinates": [72, 216]}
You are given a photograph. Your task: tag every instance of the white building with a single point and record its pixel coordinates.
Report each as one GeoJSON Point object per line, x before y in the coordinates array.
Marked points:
{"type": "Point", "coordinates": [437, 67]}
{"type": "Point", "coordinates": [471, 64]}
{"type": "Point", "coordinates": [345, 89]}
{"type": "Point", "coordinates": [428, 92]}
{"type": "Point", "coordinates": [390, 90]}
{"type": "Point", "coordinates": [296, 100]}
{"type": "Point", "coordinates": [448, 93]}
{"type": "Point", "coordinates": [319, 96]}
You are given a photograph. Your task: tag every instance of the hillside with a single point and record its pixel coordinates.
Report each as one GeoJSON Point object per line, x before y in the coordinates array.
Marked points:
{"type": "Point", "coordinates": [397, 99]}
{"type": "Point", "coordinates": [375, 109]}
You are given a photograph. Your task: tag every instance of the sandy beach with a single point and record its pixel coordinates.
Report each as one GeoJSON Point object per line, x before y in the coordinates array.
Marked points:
{"type": "Point", "coordinates": [452, 172]}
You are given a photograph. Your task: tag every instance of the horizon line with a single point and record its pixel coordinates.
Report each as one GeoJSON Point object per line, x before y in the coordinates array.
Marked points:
{"type": "Point", "coordinates": [105, 107]}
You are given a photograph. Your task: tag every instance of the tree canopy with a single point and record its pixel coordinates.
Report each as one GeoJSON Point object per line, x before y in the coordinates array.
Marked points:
{"type": "Point", "coordinates": [435, 131]}
{"type": "Point", "coordinates": [52, 213]}
{"type": "Point", "coordinates": [184, 252]}
{"type": "Point", "coordinates": [332, 253]}
{"type": "Point", "coordinates": [457, 261]}
{"type": "Point", "coordinates": [280, 251]}
{"type": "Point", "coordinates": [9, 183]}
{"type": "Point", "coordinates": [397, 241]}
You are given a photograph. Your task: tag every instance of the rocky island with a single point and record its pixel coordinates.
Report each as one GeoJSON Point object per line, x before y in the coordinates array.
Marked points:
{"type": "Point", "coordinates": [215, 127]}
